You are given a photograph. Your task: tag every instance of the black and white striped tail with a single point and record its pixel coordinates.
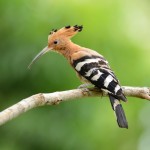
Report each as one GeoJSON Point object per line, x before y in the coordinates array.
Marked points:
{"type": "Point", "coordinates": [119, 112]}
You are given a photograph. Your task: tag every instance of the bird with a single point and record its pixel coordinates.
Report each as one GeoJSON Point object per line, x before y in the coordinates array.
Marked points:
{"type": "Point", "coordinates": [90, 66]}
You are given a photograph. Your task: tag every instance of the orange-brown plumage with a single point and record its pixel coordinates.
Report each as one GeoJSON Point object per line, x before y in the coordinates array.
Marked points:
{"type": "Point", "coordinates": [60, 40]}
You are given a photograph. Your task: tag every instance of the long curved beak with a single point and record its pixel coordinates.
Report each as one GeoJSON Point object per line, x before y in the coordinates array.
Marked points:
{"type": "Point", "coordinates": [45, 50]}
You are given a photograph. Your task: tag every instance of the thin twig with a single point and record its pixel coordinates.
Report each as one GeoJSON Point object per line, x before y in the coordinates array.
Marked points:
{"type": "Point", "coordinates": [43, 99]}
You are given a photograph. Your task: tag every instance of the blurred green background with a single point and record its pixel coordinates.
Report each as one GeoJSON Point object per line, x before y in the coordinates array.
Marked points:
{"type": "Point", "coordinates": [118, 29]}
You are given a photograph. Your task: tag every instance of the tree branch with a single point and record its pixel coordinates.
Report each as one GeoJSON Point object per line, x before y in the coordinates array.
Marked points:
{"type": "Point", "coordinates": [43, 99]}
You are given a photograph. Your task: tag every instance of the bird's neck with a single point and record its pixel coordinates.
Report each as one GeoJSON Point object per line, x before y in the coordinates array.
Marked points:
{"type": "Point", "coordinates": [70, 49]}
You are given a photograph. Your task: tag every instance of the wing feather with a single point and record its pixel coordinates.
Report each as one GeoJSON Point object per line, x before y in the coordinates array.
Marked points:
{"type": "Point", "coordinates": [96, 69]}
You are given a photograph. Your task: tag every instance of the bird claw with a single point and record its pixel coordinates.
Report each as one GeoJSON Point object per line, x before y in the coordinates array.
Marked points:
{"type": "Point", "coordinates": [82, 86]}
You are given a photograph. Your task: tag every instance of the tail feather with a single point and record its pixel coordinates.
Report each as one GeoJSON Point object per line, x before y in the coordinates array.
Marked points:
{"type": "Point", "coordinates": [119, 112]}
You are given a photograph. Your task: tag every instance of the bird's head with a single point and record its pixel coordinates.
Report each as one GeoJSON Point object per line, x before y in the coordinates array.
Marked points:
{"type": "Point", "coordinates": [58, 40]}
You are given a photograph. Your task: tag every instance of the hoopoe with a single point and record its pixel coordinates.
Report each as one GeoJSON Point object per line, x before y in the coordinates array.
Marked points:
{"type": "Point", "coordinates": [89, 65]}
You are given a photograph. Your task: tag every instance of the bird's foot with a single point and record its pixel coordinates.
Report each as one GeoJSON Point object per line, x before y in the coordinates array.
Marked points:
{"type": "Point", "coordinates": [86, 85]}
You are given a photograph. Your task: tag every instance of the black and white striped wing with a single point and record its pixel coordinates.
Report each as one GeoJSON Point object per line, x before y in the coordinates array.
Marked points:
{"type": "Point", "coordinates": [96, 70]}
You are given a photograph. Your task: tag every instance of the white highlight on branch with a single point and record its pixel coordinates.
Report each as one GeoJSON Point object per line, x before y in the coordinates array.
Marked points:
{"type": "Point", "coordinates": [57, 97]}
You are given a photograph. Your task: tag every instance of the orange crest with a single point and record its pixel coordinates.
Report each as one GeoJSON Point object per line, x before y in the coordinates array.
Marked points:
{"type": "Point", "coordinates": [65, 32]}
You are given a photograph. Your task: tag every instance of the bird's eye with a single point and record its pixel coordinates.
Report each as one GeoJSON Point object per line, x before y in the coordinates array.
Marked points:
{"type": "Point", "coordinates": [55, 42]}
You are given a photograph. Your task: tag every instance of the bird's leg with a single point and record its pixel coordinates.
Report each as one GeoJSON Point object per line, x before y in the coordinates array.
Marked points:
{"type": "Point", "coordinates": [86, 85]}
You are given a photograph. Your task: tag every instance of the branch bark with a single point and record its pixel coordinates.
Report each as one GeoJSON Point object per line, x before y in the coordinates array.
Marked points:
{"type": "Point", "coordinates": [42, 99]}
